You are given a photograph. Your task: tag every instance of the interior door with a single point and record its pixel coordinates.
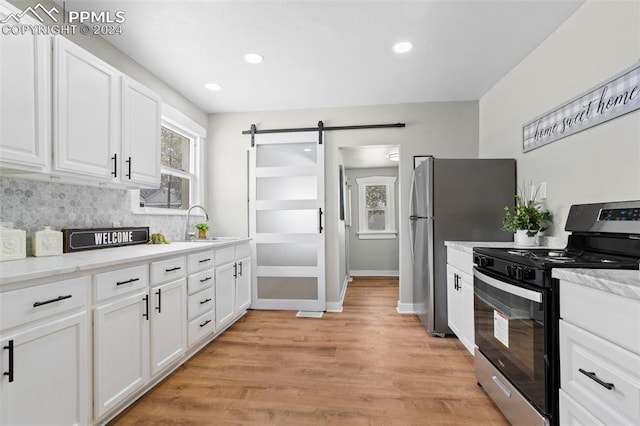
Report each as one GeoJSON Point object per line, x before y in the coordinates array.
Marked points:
{"type": "Point", "coordinates": [286, 205]}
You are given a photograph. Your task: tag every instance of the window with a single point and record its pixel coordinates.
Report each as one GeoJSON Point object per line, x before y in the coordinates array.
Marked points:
{"type": "Point", "coordinates": [376, 207]}
{"type": "Point", "coordinates": [180, 156]}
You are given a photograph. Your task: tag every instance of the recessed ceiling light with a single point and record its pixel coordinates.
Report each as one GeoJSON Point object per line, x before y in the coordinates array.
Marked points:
{"type": "Point", "coordinates": [213, 87]}
{"type": "Point", "coordinates": [403, 47]}
{"type": "Point", "coordinates": [394, 156]}
{"type": "Point", "coordinates": [253, 58]}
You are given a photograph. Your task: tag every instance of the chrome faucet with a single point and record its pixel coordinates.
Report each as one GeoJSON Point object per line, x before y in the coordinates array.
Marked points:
{"type": "Point", "coordinates": [189, 235]}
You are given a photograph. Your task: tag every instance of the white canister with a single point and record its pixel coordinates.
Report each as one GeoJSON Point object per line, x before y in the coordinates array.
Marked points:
{"type": "Point", "coordinates": [13, 242]}
{"type": "Point", "coordinates": [47, 242]}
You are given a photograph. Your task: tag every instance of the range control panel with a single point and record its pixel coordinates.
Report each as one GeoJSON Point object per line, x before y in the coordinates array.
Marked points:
{"type": "Point", "coordinates": [620, 214]}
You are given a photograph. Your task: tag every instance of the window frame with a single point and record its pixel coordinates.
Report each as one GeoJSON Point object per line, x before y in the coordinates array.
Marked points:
{"type": "Point", "coordinates": [178, 122]}
{"type": "Point", "coordinates": [390, 231]}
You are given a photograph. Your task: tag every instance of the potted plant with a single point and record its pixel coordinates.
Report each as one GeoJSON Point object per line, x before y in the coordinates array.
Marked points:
{"type": "Point", "coordinates": [202, 230]}
{"type": "Point", "coordinates": [527, 219]}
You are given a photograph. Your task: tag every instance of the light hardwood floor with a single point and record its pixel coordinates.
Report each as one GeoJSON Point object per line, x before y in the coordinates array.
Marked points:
{"type": "Point", "coordinates": [365, 366]}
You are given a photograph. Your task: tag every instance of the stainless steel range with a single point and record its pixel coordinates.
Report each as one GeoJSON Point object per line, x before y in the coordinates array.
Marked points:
{"type": "Point", "coordinates": [516, 306]}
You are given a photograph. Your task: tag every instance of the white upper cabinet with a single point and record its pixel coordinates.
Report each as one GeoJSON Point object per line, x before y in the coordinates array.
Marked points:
{"type": "Point", "coordinates": [25, 100]}
{"type": "Point", "coordinates": [141, 135]}
{"type": "Point", "coordinates": [86, 105]}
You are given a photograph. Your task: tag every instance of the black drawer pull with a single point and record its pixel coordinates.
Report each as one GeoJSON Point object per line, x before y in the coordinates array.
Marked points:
{"type": "Point", "coordinates": [145, 299]}
{"type": "Point", "coordinates": [57, 299]}
{"type": "Point", "coordinates": [205, 301]}
{"type": "Point", "coordinates": [9, 373]}
{"type": "Point", "coordinates": [205, 323]}
{"type": "Point", "coordinates": [204, 260]}
{"type": "Point", "coordinates": [204, 280]}
{"type": "Point", "coordinates": [132, 280]}
{"type": "Point", "coordinates": [173, 269]}
{"type": "Point", "coordinates": [159, 307]}
{"type": "Point", "coordinates": [592, 376]}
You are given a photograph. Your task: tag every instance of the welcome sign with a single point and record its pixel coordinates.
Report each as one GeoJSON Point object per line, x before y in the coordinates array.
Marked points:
{"type": "Point", "coordinates": [96, 238]}
{"type": "Point", "coordinates": [613, 98]}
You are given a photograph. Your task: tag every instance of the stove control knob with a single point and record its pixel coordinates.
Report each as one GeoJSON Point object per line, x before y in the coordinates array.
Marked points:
{"type": "Point", "coordinates": [511, 270]}
{"type": "Point", "coordinates": [528, 274]}
{"type": "Point", "coordinates": [483, 261]}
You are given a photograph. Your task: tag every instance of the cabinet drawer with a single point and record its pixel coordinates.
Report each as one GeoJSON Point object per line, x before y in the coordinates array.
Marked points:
{"type": "Point", "coordinates": [243, 250]}
{"type": "Point", "coordinates": [201, 327]}
{"type": "Point", "coordinates": [461, 260]}
{"type": "Point", "coordinates": [200, 261]}
{"type": "Point", "coordinates": [200, 303]}
{"type": "Point", "coordinates": [609, 363]}
{"type": "Point", "coordinates": [197, 282]}
{"type": "Point", "coordinates": [168, 270]}
{"type": "Point", "coordinates": [225, 255]}
{"type": "Point", "coordinates": [120, 281]}
{"type": "Point", "coordinates": [615, 314]}
{"type": "Point", "coordinates": [34, 303]}
{"type": "Point", "coordinates": [572, 413]}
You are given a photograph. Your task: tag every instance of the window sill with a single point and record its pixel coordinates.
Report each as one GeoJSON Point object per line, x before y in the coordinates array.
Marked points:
{"type": "Point", "coordinates": [377, 235]}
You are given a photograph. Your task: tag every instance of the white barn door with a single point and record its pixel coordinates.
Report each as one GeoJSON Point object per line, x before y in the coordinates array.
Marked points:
{"type": "Point", "coordinates": [286, 207]}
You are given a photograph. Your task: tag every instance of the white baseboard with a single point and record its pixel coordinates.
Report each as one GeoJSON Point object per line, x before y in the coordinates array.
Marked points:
{"type": "Point", "coordinates": [374, 273]}
{"type": "Point", "coordinates": [406, 308]}
{"type": "Point", "coordinates": [337, 306]}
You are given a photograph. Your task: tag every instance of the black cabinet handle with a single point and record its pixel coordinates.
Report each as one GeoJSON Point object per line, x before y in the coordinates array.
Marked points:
{"type": "Point", "coordinates": [205, 301]}
{"type": "Point", "coordinates": [57, 299]}
{"type": "Point", "coordinates": [240, 272]}
{"type": "Point", "coordinates": [129, 162]}
{"type": "Point", "coordinates": [173, 269]}
{"type": "Point", "coordinates": [145, 299]}
{"type": "Point", "coordinates": [235, 270]}
{"type": "Point", "coordinates": [115, 165]}
{"type": "Point", "coordinates": [159, 293]}
{"type": "Point", "coordinates": [205, 323]}
{"type": "Point", "coordinates": [204, 260]}
{"type": "Point", "coordinates": [592, 376]}
{"type": "Point", "coordinates": [132, 280]}
{"type": "Point", "coordinates": [204, 280]}
{"type": "Point", "coordinates": [320, 228]}
{"type": "Point", "coordinates": [9, 373]}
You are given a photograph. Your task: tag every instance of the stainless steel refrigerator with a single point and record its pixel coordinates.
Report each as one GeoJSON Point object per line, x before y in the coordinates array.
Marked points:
{"type": "Point", "coordinates": [457, 200]}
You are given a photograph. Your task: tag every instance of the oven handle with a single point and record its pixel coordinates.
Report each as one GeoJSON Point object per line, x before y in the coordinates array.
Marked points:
{"type": "Point", "coordinates": [534, 296]}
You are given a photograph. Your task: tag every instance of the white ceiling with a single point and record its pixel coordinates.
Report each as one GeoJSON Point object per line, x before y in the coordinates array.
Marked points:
{"type": "Point", "coordinates": [330, 53]}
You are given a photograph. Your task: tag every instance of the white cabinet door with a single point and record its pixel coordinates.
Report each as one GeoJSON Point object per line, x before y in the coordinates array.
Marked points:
{"type": "Point", "coordinates": [168, 324]}
{"type": "Point", "coordinates": [25, 100]}
{"type": "Point", "coordinates": [141, 135]}
{"type": "Point", "coordinates": [225, 294]}
{"type": "Point", "coordinates": [454, 300]}
{"type": "Point", "coordinates": [467, 333]}
{"type": "Point", "coordinates": [49, 374]}
{"type": "Point", "coordinates": [243, 284]}
{"type": "Point", "coordinates": [85, 114]}
{"type": "Point", "coordinates": [121, 350]}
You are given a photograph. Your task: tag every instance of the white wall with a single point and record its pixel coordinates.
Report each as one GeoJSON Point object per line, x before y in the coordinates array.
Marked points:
{"type": "Point", "coordinates": [446, 129]}
{"type": "Point", "coordinates": [598, 164]}
{"type": "Point", "coordinates": [371, 255]}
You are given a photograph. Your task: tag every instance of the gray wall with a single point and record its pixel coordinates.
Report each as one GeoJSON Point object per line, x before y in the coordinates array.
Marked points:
{"type": "Point", "coordinates": [443, 129]}
{"type": "Point", "coordinates": [601, 163]}
{"type": "Point", "coordinates": [371, 255]}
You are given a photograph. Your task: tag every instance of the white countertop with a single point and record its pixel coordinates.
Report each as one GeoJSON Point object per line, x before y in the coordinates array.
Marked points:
{"type": "Point", "coordinates": [467, 246]}
{"type": "Point", "coordinates": [31, 268]}
{"type": "Point", "coordinates": [623, 283]}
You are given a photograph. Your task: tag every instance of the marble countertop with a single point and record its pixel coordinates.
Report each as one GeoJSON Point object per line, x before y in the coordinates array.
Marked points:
{"type": "Point", "coordinates": [623, 283]}
{"type": "Point", "coordinates": [32, 268]}
{"type": "Point", "coordinates": [467, 246]}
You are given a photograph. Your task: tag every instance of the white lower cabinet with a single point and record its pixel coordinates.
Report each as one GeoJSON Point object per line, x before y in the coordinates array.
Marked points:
{"type": "Point", "coordinates": [460, 297]}
{"type": "Point", "coordinates": [168, 324]}
{"type": "Point", "coordinates": [121, 350]}
{"type": "Point", "coordinates": [225, 293]}
{"type": "Point", "coordinates": [45, 378]}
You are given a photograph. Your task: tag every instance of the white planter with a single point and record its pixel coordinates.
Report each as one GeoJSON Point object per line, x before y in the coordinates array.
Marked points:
{"type": "Point", "coordinates": [522, 239]}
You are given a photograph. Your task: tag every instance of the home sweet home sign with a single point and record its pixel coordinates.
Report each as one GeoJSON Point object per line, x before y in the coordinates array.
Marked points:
{"type": "Point", "coordinates": [613, 98]}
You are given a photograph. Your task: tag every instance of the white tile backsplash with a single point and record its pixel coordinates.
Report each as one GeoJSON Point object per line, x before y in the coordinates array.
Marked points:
{"type": "Point", "coordinates": [31, 205]}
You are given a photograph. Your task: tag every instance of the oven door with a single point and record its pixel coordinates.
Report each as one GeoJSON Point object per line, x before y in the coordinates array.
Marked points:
{"type": "Point", "coordinates": [510, 332]}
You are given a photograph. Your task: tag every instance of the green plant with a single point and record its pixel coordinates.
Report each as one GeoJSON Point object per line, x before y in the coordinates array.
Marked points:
{"type": "Point", "coordinates": [202, 226]}
{"type": "Point", "coordinates": [158, 238]}
{"type": "Point", "coordinates": [527, 215]}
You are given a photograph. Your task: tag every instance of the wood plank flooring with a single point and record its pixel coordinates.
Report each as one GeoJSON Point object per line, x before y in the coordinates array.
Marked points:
{"type": "Point", "coordinates": [365, 366]}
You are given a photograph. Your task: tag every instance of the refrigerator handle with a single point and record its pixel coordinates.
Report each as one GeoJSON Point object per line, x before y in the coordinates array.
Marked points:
{"type": "Point", "coordinates": [411, 239]}
{"type": "Point", "coordinates": [411, 199]}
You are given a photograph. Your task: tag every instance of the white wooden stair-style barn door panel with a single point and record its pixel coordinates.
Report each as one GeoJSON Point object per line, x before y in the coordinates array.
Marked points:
{"type": "Point", "coordinates": [286, 208]}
